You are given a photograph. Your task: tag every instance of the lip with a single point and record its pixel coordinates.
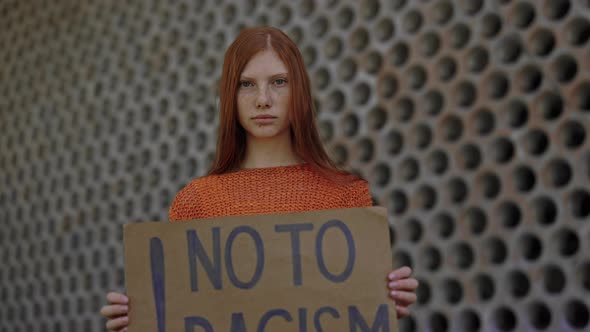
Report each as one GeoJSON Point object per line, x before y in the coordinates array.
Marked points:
{"type": "Point", "coordinates": [264, 117]}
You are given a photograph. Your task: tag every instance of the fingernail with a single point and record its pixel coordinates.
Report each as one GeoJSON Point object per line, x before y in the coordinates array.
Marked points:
{"type": "Point", "coordinates": [125, 307]}
{"type": "Point", "coordinates": [393, 293]}
{"type": "Point", "coordinates": [126, 318]}
{"type": "Point", "coordinates": [125, 299]}
{"type": "Point", "coordinates": [392, 284]}
{"type": "Point", "coordinates": [391, 276]}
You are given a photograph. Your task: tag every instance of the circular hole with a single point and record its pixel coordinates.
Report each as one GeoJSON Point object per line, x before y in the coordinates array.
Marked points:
{"type": "Point", "coordinates": [409, 169]}
{"type": "Point", "coordinates": [469, 156]}
{"type": "Point", "coordinates": [485, 287]}
{"type": "Point", "coordinates": [497, 85]}
{"type": "Point", "coordinates": [566, 241]}
{"type": "Point", "coordinates": [484, 121]}
{"type": "Point", "coordinates": [576, 314]}
{"type": "Point", "coordinates": [558, 173]}
{"type": "Point", "coordinates": [453, 291]}
{"type": "Point", "coordinates": [369, 9]}
{"type": "Point", "coordinates": [431, 258]}
{"type": "Point", "coordinates": [565, 68]}
{"type": "Point", "coordinates": [322, 78]}
{"type": "Point", "coordinates": [333, 47]}
{"type": "Point", "coordinates": [426, 197]}
{"type": "Point", "coordinates": [518, 284]}
{"type": "Point", "coordinates": [572, 134]}
{"type": "Point", "coordinates": [530, 246]}
{"type": "Point", "coordinates": [388, 85]}
{"type": "Point", "coordinates": [446, 68]}
{"type": "Point", "coordinates": [429, 44]}
{"type": "Point", "coordinates": [444, 225]}
{"type": "Point", "coordinates": [359, 39]}
{"type": "Point", "coordinates": [582, 96]}
{"type": "Point", "coordinates": [377, 118]}
{"type": "Point", "coordinates": [394, 143]}
{"type": "Point", "coordinates": [451, 128]}
{"type": "Point", "coordinates": [319, 26]}
{"type": "Point", "coordinates": [553, 279]}
{"type": "Point", "coordinates": [384, 29]}
{"type": "Point", "coordinates": [579, 202]}
{"type": "Point", "coordinates": [469, 320]}
{"type": "Point", "coordinates": [544, 210]}
{"type": "Point", "coordinates": [361, 93]}
{"type": "Point", "coordinates": [326, 131]}
{"type": "Point", "coordinates": [502, 150]}
{"type": "Point", "coordinates": [577, 31]}
{"type": "Point", "coordinates": [476, 220]}
{"type": "Point", "coordinates": [421, 136]}
{"type": "Point", "coordinates": [335, 101]}
{"type": "Point", "coordinates": [524, 178]}
{"type": "Point", "coordinates": [462, 255]}
{"type": "Point", "coordinates": [509, 214]}
{"type": "Point", "coordinates": [412, 21]}
{"type": "Point", "coordinates": [509, 49]}
{"type": "Point", "coordinates": [465, 94]}
{"type": "Point", "coordinates": [340, 154]}
{"type": "Point", "coordinates": [495, 250]}
{"type": "Point", "coordinates": [542, 42]}
{"type": "Point", "coordinates": [490, 185]}
{"type": "Point", "coordinates": [457, 190]}
{"type": "Point", "coordinates": [365, 149]}
{"type": "Point", "coordinates": [550, 104]}
{"type": "Point", "coordinates": [433, 102]}
{"type": "Point", "coordinates": [516, 113]}
{"type": "Point", "coordinates": [416, 76]}
{"type": "Point", "coordinates": [523, 15]}
{"type": "Point", "coordinates": [381, 175]}
{"type": "Point", "coordinates": [345, 18]}
{"type": "Point", "coordinates": [583, 275]}
{"type": "Point", "coordinates": [373, 62]}
{"type": "Point", "coordinates": [471, 7]}
{"type": "Point", "coordinates": [398, 202]}
{"type": "Point", "coordinates": [459, 35]}
{"type": "Point", "coordinates": [556, 9]}
{"type": "Point", "coordinates": [539, 315]}
{"type": "Point", "coordinates": [403, 109]}
{"type": "Point", "coordinates": [438, 322]}
{"type": "Point", "coordinates": [423, 292]}
{"type": "Point", "coordinates": [536, 142]}
{"type": "Point", "coordinates": [491, 24]}
{"type": "Point", "coordinates": [350, 125]}
{"type": "Point", "coordinates": [347, 69]}
{"type": "Point", "coordinates": [399, 54]}
{"type": "Point", "coordinates": [438, 162]}
{"type": "Point", "coordinates": [443, 12]}
{"type": "Point", "coordinates": [414, 229]}
{"type": "Point", "coordinates": [529, 78]}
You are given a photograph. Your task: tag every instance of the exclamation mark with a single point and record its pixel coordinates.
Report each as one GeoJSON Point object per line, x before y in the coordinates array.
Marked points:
{"type": "Point", "coordinates": [157, 265]}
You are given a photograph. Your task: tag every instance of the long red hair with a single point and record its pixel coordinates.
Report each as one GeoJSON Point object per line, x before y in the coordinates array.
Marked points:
{"type": "Point", "coordinates": [231, 141]}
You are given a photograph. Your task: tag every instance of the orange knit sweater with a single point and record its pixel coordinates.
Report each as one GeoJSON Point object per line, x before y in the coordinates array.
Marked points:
{"type": "Point", "coordinates": [281, 189]}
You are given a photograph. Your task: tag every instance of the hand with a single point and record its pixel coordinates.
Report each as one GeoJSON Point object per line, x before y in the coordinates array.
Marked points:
{"type": "Point", "coordinates": [116, 312]}
{"type": "Point", "coordinates": [402, 289]}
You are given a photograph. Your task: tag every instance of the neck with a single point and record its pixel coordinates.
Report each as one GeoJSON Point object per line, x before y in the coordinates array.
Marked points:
{"type": "Point", "coordinates": [269, 152]}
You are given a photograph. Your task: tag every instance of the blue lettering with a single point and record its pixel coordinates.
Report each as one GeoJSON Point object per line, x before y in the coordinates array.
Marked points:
{"type": "Point", "coordinates": [295, 229]}
{"type": "Point", "coordinates": [190, 323]}
{"type": "Point", "coordinates": [237, 322]}
{"type": "Point", "coordinates": [259, 257]}
{"type": "Point", "coordinates": [322, 310]}
{"type": "Point", "coordinates": [197, 252]}
{"type": "Point", "coordinates": [351, 251]}
{"type": "Point", "coordinates": [158, 281]}
{"type": "Point", "coordinates": [268, 315]}
{"type": "Point", "coordinates": [381, 322]}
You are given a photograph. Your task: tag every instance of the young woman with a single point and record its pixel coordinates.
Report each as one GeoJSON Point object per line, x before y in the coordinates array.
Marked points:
{"type": "Point", "coordinates": [269, 155]}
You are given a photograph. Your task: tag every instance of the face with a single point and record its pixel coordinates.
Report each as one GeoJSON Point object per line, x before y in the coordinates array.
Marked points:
{"type": "Point", "coordinates": [263, 97]}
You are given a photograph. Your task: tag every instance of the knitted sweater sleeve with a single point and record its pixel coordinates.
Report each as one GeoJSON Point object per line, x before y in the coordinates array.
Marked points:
{"type": "Point", "coordinates": [360, 196]}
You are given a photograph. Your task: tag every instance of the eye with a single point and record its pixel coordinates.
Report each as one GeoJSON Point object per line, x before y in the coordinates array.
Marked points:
{"type": "Point", "coordinates": [280, 81]}
{"type": "Point", "coordinates": [245, 84]}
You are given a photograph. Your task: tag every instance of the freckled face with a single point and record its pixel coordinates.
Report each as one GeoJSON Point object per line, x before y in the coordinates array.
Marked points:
{"type": "Point", "coordinates": [263, 96]}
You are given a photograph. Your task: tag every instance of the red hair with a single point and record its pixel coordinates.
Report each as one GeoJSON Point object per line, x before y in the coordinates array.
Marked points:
{"type": "Point", "coordinates": [231, 141]}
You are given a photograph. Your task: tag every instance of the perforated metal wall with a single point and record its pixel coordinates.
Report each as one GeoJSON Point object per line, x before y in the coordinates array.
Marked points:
{"type": "Point", "coordinates": [469, 118]}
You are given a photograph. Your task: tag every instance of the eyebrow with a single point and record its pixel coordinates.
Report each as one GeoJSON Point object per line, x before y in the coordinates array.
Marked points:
{"type": "Point", "coordinates": [273, 76]}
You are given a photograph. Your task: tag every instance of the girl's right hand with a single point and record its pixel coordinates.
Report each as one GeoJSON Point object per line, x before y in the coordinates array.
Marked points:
{"type": "Point", "coordinates": [116, 312]}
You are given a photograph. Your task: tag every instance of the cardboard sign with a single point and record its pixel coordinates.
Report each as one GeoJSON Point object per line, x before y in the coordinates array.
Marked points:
{"type": "Point", "coordinates": [305, 272]}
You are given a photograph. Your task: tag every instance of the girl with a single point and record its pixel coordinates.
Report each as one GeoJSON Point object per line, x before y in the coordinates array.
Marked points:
{"type": "Point", "coordinates": [269, 156]}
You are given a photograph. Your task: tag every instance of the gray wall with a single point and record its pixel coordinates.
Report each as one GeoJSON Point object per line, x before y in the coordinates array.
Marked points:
{"type": "Point", "coordinates": [470, 119]}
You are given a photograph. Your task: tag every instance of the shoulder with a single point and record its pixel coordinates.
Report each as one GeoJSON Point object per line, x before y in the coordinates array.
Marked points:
{"type": "Point", "coordinates": [359, 194]}
{"type": "Point", "coordinates": [191, 196]}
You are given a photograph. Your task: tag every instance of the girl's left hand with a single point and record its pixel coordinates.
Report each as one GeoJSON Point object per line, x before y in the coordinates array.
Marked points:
{"type": "Point", "coordinates": [402, 289]}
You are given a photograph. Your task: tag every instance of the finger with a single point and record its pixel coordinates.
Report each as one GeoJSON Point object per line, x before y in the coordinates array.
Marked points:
{"type": "Point", "coordinates": [403, 298]}
{"type": "Point", "coordinates": [409, 284]}
{"type": "Point", "coordinates": [117, 323]}
{"type": "Point", "coordinates": [401, 273]}
{"type": "Point", "coordinates": [117, 298]}
{"type": "Point", "coordinates": [123, 330]}
{"type": "Point", "coordinates": [114, 310]}
{"type": "Point", "coordinates": [402, 311]}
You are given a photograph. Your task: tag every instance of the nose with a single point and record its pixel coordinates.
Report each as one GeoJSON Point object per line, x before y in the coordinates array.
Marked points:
{"type": "Point", "coordinates": [263, 99]}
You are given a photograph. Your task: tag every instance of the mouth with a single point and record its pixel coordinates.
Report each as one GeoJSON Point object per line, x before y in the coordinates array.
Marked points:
{"type": "Point", "coordinates": [264, 117]}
